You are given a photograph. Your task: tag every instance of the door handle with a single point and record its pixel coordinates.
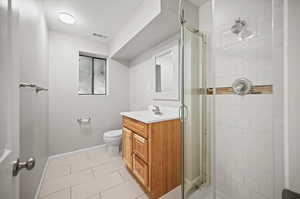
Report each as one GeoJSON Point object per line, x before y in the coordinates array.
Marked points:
{"type": "Point", "coordinates": [18, 165]}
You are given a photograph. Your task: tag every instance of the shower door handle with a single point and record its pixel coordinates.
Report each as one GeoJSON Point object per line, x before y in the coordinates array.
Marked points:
{"type": "Point", "coordinates": [183, 109]}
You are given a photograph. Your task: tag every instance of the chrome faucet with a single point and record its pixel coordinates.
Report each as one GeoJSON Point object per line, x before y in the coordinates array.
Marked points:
{"type": "Point", "coordinates": [156, 110]}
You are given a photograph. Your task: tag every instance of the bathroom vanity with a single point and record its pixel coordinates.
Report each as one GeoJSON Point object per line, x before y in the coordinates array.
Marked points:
{"type": "Point", "coordinates": [152, 150]}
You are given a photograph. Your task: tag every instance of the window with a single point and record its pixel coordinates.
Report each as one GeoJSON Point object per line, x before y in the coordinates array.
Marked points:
{"type": "Point", "coordinates": [92, 75]}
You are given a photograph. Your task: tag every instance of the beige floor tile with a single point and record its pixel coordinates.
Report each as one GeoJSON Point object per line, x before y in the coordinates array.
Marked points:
{"type": "Point", "coordinates": [109, 180]}
{"type": "Point", "coordinates": [126, 190]}
{"type": "Point", "coordinates": [144, 196]}
{"type": "Point", "coordinates": [72, 158]}
{"type": "Point", "coordinates": [81, 166]}
{"type": "Point", "coordinates": [135, 186]}
{"type": "Point", "coordinates": [173, 194]}
{"type": "Point", "coordinates": [97, 152]}
{"type": "Point", "coordinates": [65, 182]}
{"type": "Point", "coordinates": [77, 162]}
{"type": "Point", "coordinates": [53, 186]}
{"type": "Point", "coordinates": [99, 156]}
{"type": "Point", "coordinates": [64, 194]}
{"type": "Point", "coordinates": [80, 178]}
{"type": "Point", "coordinates": [97, 196]}
{"type": "Point", "coordinates": [125, 174]}
{"type": "Point", "coordinates": [57, 162]}
{"type": "Point", "coordinates": [114, 165]}
{"type": "Point", "coordinates": [89, 175]}
{"type": "Point", "coordinates": [86, 190]}
{"type": "Point", "coordinates": [54, 171]}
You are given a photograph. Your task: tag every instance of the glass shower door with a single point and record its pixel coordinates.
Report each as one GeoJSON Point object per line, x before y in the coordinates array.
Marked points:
{"type": "Point", "coordinates": [194, 113]}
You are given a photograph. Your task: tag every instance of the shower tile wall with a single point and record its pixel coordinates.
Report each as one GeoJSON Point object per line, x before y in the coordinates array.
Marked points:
{"type": "Point", "coordinates": [244, 136]}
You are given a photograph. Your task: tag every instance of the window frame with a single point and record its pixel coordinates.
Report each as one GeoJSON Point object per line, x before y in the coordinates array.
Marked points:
{"type": "Point", "coordinates": [93, 74]}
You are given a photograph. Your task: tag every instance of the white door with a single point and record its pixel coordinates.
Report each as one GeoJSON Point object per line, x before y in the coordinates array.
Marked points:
{"type": "Point", "coordinates": [9, 96]}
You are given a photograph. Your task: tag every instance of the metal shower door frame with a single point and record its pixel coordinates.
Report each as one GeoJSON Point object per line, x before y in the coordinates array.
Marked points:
{"type": "Point", "coordinates": [205, 163]}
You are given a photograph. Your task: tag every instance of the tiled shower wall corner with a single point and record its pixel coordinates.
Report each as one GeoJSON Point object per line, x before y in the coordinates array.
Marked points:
{"type": "Point", "coordinates": [245, 147]}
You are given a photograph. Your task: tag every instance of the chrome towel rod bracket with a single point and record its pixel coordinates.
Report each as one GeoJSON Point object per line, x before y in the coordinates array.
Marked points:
{"type": "Point", "coordinates": [24, 85]}
{"type": "Point", "coordinates": [37, 88]}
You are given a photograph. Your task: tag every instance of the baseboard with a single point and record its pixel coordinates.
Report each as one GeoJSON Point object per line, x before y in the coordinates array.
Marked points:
{"type": "Point", "coordinates": [76, 151]}
{"type": "Point", "coordinates": [36, 196]}
{"type": "Point", "coordinates": [57, 156]}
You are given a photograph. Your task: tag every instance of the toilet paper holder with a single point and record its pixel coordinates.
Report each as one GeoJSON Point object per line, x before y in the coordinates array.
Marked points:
{"type": "Point", "coordinates": [84, 120]}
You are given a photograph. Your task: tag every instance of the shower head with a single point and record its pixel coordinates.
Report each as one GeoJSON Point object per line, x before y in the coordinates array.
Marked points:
{"type": "Point", "coordinates": [240, 29]}
{"type": "Point", "coordinates": [238, 26]}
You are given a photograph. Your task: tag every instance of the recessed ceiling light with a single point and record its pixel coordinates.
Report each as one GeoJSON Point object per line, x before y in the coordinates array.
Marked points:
{"type": "Point", "coordinates": [66, 18]}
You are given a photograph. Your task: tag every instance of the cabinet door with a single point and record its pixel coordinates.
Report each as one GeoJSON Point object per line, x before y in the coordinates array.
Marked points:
{"type": "Point", "coordinates": [127, 147]}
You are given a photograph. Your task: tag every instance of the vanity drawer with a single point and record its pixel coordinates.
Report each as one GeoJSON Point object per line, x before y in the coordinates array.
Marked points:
{"type": "Point", "coordinates": [140, 147]}
{"type": "Point", "coordinates": [136, 126]}
{"type": "Point", "coordinates": [140, 170]}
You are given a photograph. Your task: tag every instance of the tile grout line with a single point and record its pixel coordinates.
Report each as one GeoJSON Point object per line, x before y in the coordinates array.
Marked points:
{"type": "Point", "coordinates": [123, 178]}
{"type": "Point", "coordinates": [70, 169]}
{"type": "Point", "coordinates": [70, 191]}
{"type": "Point", "coordinates": [46, 195]}
{"type": "Point", "coordinates": [67, 187]}
{"type": "Point", "coordinates": [92, 167]}
{"type": "Point", "coordinates": [43, 184]}
{"type": "Point", "coordinates": [111, 187]}
{"type": "Point", "coordinates": [93, 172]}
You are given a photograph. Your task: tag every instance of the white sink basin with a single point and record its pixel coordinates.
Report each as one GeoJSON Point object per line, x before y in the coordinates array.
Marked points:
{"type": "Point", "coordinates": [149, 117]}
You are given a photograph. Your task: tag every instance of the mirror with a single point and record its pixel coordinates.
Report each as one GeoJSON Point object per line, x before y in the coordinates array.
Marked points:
{"type": "Point", "coordinates": [166, 75]}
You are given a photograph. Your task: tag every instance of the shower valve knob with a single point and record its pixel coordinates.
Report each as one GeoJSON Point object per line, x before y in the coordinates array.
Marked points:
{"type": "Point", "coordinates": [242, 86]}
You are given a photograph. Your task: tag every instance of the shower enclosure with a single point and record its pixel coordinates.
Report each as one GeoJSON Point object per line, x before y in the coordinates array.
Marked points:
{"type": "Point", "coordinates": [231, 95]}
{"type": "Point", "coordinates": [194, 113]}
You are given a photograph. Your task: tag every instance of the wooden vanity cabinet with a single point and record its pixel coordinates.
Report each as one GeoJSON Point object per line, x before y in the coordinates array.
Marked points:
{"type": "Point", "coordinates": [152, 153]}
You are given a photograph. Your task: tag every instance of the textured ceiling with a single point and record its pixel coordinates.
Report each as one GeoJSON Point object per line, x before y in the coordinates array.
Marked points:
{"type": "Point", "coordinates": [100, 16]}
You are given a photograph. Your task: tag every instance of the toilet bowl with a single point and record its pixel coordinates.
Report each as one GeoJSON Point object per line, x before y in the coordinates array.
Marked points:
{"type": "Point", "coordinates": [112, 140]}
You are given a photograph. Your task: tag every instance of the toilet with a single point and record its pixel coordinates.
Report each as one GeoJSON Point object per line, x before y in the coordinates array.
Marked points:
{"type": "Point", "coordinates": [112, 140]}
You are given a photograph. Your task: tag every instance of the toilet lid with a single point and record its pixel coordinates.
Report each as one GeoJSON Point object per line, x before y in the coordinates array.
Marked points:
{"type": "Point", "coordinates": [113, 133]}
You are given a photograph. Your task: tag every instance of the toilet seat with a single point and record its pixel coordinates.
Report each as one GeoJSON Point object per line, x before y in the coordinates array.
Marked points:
{"type": "Point", "coordinates": [113, 134]}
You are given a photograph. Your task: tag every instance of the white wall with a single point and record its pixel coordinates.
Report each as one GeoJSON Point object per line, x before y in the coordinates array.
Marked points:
{"type": "Point", "coordinates": [33, 107]}
{"type": "Point", "coordinates": [293, 88]}
{"type": "Point", "coordinates": [66, 105]}
{"type": "Point", "coordinates": [142, 77]}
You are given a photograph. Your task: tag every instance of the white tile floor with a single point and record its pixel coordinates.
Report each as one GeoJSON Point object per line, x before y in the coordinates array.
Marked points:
{"type": "Point", "coordinates": [91, 174]}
